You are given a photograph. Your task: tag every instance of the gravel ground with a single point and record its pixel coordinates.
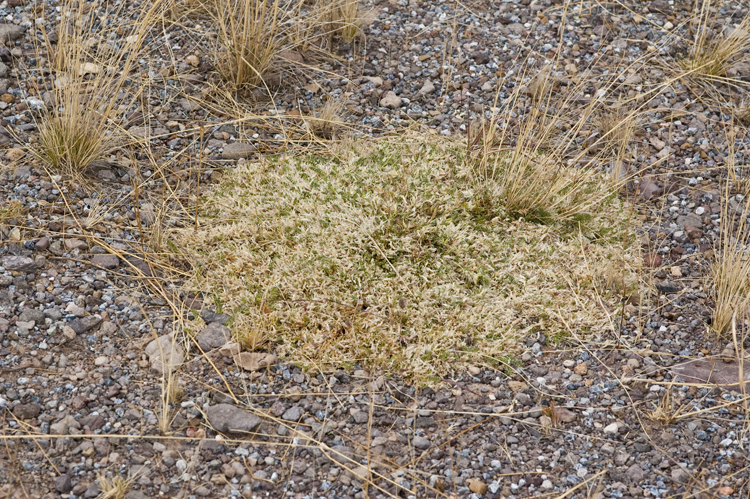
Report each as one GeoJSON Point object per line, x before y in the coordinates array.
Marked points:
{"type": "Point", "coordinates": [80, 372]}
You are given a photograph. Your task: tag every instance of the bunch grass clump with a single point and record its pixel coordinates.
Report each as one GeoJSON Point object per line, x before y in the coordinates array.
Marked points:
{"type": "Point", "coordinates": [711, 55]}
{"type": "Point", "coordinates": [527, 177]}
{"type": "Point", "coordinates": [91, 64]}
{"type": "Point", "coordinates": [250, 38]}
{"type": "Point", "coordinates": [731, 267]}
{"type": "Point", "coordinates": [384, 257]}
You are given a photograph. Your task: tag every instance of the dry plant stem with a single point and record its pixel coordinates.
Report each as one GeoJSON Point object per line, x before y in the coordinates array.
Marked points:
{"type": "Point", "coordinates": [198, 182]}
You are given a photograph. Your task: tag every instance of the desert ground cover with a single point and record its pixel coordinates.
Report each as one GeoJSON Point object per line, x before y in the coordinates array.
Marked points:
{"type": "Point", "coordinates": [390, 248]}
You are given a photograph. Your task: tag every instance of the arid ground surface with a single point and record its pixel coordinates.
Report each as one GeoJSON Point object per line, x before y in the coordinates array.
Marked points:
{"type": "Point", "coordinates": [132, 364]}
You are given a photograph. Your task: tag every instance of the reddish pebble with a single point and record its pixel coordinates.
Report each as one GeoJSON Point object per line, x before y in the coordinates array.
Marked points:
{"type": "Point", "coordinates": [652, 260]}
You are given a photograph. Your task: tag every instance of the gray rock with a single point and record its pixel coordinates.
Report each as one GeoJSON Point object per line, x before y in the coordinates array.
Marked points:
{"type": "Point", "coordinates": [42, 243]}
{"type": "Point", "coordinates": [18, 263]}
{"type": "Point", "coordinates": [10, 32]}
{"type": "Point", "coordinates": [635, 473]}
{"type": "Point", "coordinates": [361, 417]}
{"type": "Point", "coordinates": [92, 492]}
{"type": "Point", "coordinates": [165, 354]}
{"type": "Point", "coordinates": [135, 494]}
{"type": "Point", "coordinates": [679, 475]}
{"type": "Point", "coordinates": [3, 70]}
{"type": "Point", "coordinates": [427, 88]}
{"type": "Point", "coordinates": [228, 418]}
{"type": "Point", "coordinates": [421, 443]}
{"type": "Point", "coordinates": [238, 150]}
{"type": "Point", "coordinates": [27, 411]}
{"type": "Point", "coordinates": [189, 105]}
{"type": "Point", "coordinates": [523, 398]}
{"type": "Point", "coordinates": [63, 426]}
{"type": "Point", "coordinates": [62, 482]}
{"type": "Point", "coordinates": [32, 315]}
{"type": "Point", "coordinates": [210, 317]}
{"type": "Point", "coordinates": [214, 335]}
{"type": "Point", "coordinates": [84, 324]}
{"type": "Point", "coordinates": [292, 414]}
{"type": "Point", "coordinates": [105, 261]}
{"type": "Point", "coordinates": [691, 220]}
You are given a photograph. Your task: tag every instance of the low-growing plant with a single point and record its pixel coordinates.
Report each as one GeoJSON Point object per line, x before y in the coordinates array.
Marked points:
{"type": "Point", "coordinates": [381, 257]}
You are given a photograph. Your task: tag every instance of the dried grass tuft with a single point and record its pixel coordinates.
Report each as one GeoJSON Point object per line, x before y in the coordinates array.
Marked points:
{"type": "Point", "coordinates": [88, 72]}
{"type": "Point", "coordinates": [112, 488]}
{"type": "Point", "coordinates": [712, 54]}
{"type": "Point", "coordinates": [250, 38]}
{"type": "Point", "coordinates": [328, 119]}
{"type": "Point", "coordinates": [731, 268]}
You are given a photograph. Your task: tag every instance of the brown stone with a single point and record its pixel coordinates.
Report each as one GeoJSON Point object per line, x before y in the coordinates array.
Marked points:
{"type": "Point", "coordinates": [652, 260]}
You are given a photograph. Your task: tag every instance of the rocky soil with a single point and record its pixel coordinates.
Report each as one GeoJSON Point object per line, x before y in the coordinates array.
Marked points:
{"type": "Point", "coordinates": [82, 376]}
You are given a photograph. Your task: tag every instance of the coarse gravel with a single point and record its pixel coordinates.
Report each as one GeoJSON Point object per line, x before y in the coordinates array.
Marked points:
{"type": "Point", "coordinates": [86, 343]}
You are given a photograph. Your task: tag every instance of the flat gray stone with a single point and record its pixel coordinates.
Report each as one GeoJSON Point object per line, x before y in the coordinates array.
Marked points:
{"type": "Point", "coordinates": [105, 261]}
{"type": "Point", "coordinates": [32, 315]}
{"type": "Point", "coordinates": [228, 418]}
{"type": "Point", "coordinates": [712, 372]}
{"type": "Point", "coordinates": [238, 150]}
{"type": "Point", "coordinates": [214, 335]}
{"type": "Point", "coordinates": [10, 32]}
{"type": "Point", "coordinates": [63, 484]}
{"type": "Point", "coordinates": [165, 354]}
{"type": "Point", "coordinates": [18, 263]}
{"type": "Point", "coordinates": [84, 324]}
{"type": "Point", "coordinates": [635, 473]}
{"type": "Point", "coordinates": [690, 220]}
{"type": "Point", "coordinates": [292, 414]}
{"type": "Point", "coordinates": [421, 443]}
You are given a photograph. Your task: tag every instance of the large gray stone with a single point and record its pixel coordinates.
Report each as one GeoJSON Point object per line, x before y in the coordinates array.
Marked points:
{"type": "Point", "coordinates": [10, 32]}
{"type": "Point", "coordinates": [84, 324]}
{"type": "Point", "coordinates": [165, 354]}
{"type": "Point", "coordinates": [228, 418]}
{"type": "Point", "coordinates": [712, 372]}
{"type": "Point", "coordinates": [105, 261]}
{"type": "Point", "coordinates": [214, 335]}
{"type": "Point", "coordinates": [238, 150]}
{"type": "Point", "coordinates": [18, 263]}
